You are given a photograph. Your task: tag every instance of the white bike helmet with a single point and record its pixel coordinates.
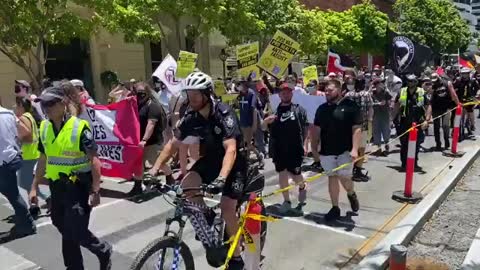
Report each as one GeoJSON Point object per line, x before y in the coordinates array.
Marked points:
{"type": "Point", "coordinates": [199, 81]}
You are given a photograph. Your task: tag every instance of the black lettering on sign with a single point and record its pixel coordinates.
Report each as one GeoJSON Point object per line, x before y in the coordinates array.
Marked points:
{"type": "Point", "coordinates": [91, 114]}
{"type": "Point", "coordinates": [99, 132]}
{"type": "Point", "coordinates": [111, 152]}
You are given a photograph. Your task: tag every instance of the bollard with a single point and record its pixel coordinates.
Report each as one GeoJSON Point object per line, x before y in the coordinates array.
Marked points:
{"type": "Point", "coordinates": [456, 135]}
{"type": "Point", "coordinates": [251, 254]}
{"type": "Point", "coordinates": [407, 195]}
{"type": "Point", "coordinates": [398, 257]}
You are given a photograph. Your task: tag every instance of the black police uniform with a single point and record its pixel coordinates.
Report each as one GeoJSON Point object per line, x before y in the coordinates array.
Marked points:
{"type": "Point", "coordinates": [222, 124]}
{"type": "Point", "coordinates": [409, 115]}
{"type": "Point", "coordinates": [70, 211]}
{"type": "Point", "coordinates": [466, 91]}
{"type": "Point", "coordinates": [441, 102]}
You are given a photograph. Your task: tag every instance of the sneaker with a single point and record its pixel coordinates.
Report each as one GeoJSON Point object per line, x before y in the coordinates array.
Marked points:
{"type": "Point", "coordinates": [354, 202]}
{"type": "Point", "coordinates": [136, 190]}
{"type": "Point", "coordinates": [236, 263]}
{"type": "Point", "coordinates": [359, 176]}
{"type": "Point", "coordinates": [317, 167]}
{"type": "Point", "coordinates": [106, 259]}
{"type": "Point", "coordinates": [333, 214]}
{"type": "Point", "coordinates": [285, 208]}
{"type": "Point", "coordinates": [34, 211]}
{"type": "Point", "coordinates": [302, 195]}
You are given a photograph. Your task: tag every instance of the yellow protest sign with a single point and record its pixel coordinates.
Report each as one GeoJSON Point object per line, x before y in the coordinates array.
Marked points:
{"type": "Point", "coordinates": [220, 88]}
{"type": "Point", "coordinates": [278, 54]}
{"type": "Point", "coordinates": [186, 64]}
{"type": "Point", "coordinates": [247, 58]}
{"type": "Point", "coordinates": [309, 74]}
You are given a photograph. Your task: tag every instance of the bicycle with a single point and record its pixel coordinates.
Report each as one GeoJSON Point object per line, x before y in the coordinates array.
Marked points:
{"type": "Point", "coordinates": [207, 224]}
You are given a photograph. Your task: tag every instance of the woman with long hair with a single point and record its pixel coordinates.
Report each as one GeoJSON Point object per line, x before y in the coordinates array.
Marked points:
{"type": "Point", "coordinates": [29, 121]}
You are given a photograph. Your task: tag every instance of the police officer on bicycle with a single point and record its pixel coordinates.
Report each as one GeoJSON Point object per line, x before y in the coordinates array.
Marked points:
{"type": "Point", "coordinates": [69, 164]}
{"type": "Point", "coordinates": [222, 165]}
{"type": "Point", "coordinates": [466, 89]}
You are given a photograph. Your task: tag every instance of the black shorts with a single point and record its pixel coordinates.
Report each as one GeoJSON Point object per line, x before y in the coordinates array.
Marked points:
{"type": "Point", "coordinates": [209, 169]}
{"type": "Point", "coordinates": [292, 165]}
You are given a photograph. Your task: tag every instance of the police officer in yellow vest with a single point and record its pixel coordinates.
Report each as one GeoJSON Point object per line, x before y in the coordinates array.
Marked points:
{"type": "Point", "coordinates": [70, 165]}
{"type": "Point", "coordinates": [412, 106]}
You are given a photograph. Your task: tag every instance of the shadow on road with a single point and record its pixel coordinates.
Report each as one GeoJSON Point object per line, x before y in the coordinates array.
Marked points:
{"type": "Point", "coordinates": [345, 222]}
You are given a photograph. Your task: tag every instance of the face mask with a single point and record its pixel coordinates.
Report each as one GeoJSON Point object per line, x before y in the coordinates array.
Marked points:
{"type": "Point", "coordinates": [350, 87]}
{"type": "Point", "coordinates": [240, 88]}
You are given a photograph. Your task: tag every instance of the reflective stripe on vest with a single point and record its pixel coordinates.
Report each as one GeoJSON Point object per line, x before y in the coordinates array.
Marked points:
{"type": "Point", "coordinates": [63, 151]}
{"type": "Point", "coordinates": [30, 150]}
{"type": "Point", "coordinates": [404, 95]}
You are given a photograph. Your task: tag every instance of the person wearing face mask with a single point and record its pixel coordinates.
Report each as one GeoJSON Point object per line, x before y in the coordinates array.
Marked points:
{"type": "Point", "coordinates": [412, 106]}
{"type": "Point", "coordinates": [466, 89]}
{"type": "Point", "coordinates": [152, 124]}
{"type": "Point", "coordinates": [443, 96]}
{"type": "Point", "coordinates": [381, 116]}
{"type": "Point", "coordinates": [363, 99]}
{"type": "Point", "coordinates": [247, 100]}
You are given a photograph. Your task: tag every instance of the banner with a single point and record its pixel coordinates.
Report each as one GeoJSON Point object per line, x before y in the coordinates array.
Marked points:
{"type": "Point", "coordinates": [278, 54]}
{"type": "Point", "coordinates": [247, 59]}
{"type": "Point", "coordinates": [186, 63]}
{"type": "Point", "coordinates": [308, 102]}
{"type": "Point", "coordinates": [116, 130]}
{"type": "Point", "coordinates": [166, 72]}
{"type": "Point", "coordinates": [309, 74]}
{"type": "Point", "coordinates": [406, 56]}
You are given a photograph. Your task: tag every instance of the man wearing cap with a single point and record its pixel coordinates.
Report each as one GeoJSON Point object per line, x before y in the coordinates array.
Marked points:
{"type": "Point", "coordinates": [23, 89]}
{"type": "Point", "coordinates": [466, 89]}
{"type": "Point", "coordinates": [412, 106]}
{"type": "Point", "coordinates": [287, 134]}
{"type": "Point", "coordinates": [443, 96]}
{"type": "Point", "coordinates": [70, 165]}
{"type": "Point", "coordinates": [84, 95]}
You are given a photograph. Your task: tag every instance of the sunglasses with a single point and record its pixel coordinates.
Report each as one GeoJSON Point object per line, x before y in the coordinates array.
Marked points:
{"type": "Point", "coordinates": [49, 103]}
{"type": "Point", "coordinates": [18, 89]}
{"type": "Point", "coordinates": [141, 94]}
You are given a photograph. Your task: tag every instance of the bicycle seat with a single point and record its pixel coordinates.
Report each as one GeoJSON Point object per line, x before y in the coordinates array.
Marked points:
{"type": "Point", "coordinates": [255, 180]}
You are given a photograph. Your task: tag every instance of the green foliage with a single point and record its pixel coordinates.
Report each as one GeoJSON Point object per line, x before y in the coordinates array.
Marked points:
{"type": "Point", "coordinates": [27, 25]}
{"type": "Point", "coordinates": [435, 23]}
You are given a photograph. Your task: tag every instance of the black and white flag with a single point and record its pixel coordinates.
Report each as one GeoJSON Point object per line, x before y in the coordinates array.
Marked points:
{"type": "Point", "coordinates": [406, 56]}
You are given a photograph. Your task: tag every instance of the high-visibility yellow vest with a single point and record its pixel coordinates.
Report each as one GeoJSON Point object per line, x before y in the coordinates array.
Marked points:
{"type": "Point", "coordinates": [404, 95]}
{"type": "Point", "coordinates": [63, 152]}
{"type": "Point", "coordinates": [30, 150]}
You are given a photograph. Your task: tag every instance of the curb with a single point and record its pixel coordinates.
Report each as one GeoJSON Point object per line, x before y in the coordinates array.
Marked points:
{"type": "Point", "coordinates": [472, 260]}
{"type": "Point", "coordinates": [413, 222]}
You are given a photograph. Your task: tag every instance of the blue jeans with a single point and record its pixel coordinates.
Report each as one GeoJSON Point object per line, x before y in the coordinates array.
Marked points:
{"type": "Point", "coordinates": [25, 179]}
{"type": "Point", "coordinates": [9, 189]}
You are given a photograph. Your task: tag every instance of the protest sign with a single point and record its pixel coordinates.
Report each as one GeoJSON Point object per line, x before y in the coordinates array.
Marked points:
{"type": "Point", "coordinates": [309, 103]}
{"type": "Point", "coordinates": [278, 54]}
{"type": "Point", "coordinates": [116, 131]}
{"type": "Point", "coordinates": [219, 88]}
{"type": "Point", "coordinates": [186, 63]}
{"type": "Point", "coordinates": [166, 72]}
{"type": "Point", "coordinates": [309, 74]}
{"type": "Point", "coordinates": [247, 58]}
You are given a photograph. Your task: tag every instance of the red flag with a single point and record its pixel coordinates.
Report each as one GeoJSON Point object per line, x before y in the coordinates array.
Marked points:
{"type": "Point", "coordinates": [338, 63]}
{"type": "Point", "coordinates": [464, 63]}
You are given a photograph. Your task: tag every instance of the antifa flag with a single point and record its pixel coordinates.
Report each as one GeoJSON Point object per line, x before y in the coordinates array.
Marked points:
{"type": "Point", "coordinates": [406, 56]}
{"type": "Point", "coordinates": [338, 62]}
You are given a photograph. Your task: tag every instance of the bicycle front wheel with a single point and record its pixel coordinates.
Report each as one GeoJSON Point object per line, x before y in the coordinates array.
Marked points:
{"type": "Point", "coordinates": [165, 253]}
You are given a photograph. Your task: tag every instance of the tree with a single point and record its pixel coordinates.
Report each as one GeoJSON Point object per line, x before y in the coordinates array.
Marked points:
{"type": "Point", "coordinates": [28, 26]}
{"type": "Point", "coordinates": [142, 20]}
{"type": "Point", "coordinates": [434, 23]}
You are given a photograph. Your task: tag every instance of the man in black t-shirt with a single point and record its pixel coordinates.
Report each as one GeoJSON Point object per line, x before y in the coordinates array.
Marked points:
{"type": "Point", "coordinates": [339, 124]}
{"type": "Point", "coordinates": [152, 123]}
{"type": "Point", "coordinates": [287, 133]}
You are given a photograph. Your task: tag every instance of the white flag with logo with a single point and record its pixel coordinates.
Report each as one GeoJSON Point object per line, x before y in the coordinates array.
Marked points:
{"type": "Point", "coordinates": [166, 72]}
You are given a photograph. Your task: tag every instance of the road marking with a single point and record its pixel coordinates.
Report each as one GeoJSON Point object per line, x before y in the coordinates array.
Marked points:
{"type": "Point", "coordinates": [309, 223]}
{"type": "Point", "coordinates": [49, 222]}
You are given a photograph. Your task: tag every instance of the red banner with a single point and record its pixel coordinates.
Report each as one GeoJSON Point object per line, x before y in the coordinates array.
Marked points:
{"type": "Point", "coordinates": [116, 130]}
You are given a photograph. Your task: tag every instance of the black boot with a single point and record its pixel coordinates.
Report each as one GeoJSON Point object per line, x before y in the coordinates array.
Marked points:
{"type": "Point", "coordinates": [359, 176]}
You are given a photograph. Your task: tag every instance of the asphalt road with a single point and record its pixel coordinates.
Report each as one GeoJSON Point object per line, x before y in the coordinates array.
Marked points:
{"type": "Point", "coordinates": [304, 242]}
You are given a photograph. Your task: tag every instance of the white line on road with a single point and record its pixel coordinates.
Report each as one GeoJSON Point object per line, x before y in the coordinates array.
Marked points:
{"type": "Point", "coordinates": [45, 223]}
{"type": "Point", "coordinates": [310, 223]}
